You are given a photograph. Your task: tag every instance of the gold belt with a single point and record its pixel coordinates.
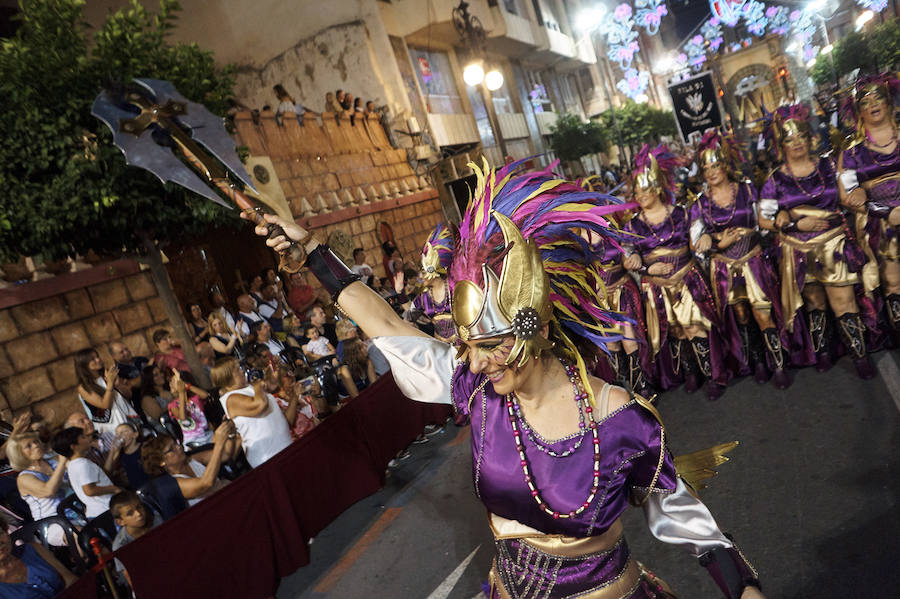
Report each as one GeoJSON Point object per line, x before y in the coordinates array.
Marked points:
{"type": "Point", "coordinates": [657, 253]}
{"type": "Point", "coordinates": [672, 279]}
{"type": "Point", "coordinates": [737, 262]}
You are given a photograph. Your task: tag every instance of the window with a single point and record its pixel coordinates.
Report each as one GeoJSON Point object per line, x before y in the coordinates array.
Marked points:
{"type": "Point", "coordinates": [436, 80]}
{"type": "Point", "coordinates": [503, 103]}
{"type": "Point", "coordinates": [511, 6]}
{"type": "Point", "coordinates": [537, 92]}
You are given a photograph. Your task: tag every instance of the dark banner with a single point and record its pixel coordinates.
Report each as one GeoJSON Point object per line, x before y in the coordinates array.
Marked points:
{"type": "Point", "coordinates": [696, 105]}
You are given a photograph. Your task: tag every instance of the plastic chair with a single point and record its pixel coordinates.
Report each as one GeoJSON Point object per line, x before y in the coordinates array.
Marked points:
{"type": "Point", "coordinates": [38, 530]}
{"type": "Point", "coordinates": [164, 492]}
{"type": "Point", "coordinates": [71, 504]}
{"type": "Point", "coordinates": [102, 527]}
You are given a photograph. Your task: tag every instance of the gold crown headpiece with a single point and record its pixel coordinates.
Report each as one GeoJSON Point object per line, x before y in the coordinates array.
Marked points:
{"type": "Point", "coordinates": [649, 177]}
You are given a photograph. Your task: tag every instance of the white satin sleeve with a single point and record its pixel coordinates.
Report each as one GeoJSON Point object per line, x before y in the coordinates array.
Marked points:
{"type": "Point", "coordinates": [681, 519]}
{"type": "Point", "coordinates": [422, 366]}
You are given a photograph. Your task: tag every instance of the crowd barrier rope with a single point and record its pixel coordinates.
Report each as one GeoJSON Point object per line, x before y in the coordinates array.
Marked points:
{"type": "Point", "coordinates": [241, 541]}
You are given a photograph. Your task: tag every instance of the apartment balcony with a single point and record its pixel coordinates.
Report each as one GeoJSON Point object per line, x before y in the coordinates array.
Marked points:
{"type": "Point", "coordinates": [512, 125]}
{"type": "Point", "coordinates": [512, 36]}
{"type": "Point", "coordinates": [453, 129]}
{"type": "Point", "coordinates": [545, 120]}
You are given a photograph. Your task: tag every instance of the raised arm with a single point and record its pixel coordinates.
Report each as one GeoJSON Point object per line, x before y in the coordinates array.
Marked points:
{"type": "Point", "coordinates": [245, 405]}
{"type": "Point", "coordinates": [31, 485]}
{"type": "Point", "coordinates": [195, 487]}
{"type": "Point", "coordinates": [105, 401]}
{"type": "Point", "coordinates": [362, 304]}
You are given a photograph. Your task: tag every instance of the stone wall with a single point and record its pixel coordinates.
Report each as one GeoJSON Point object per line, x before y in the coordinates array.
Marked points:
{"type": "Point", "coordinates": [45, 323]}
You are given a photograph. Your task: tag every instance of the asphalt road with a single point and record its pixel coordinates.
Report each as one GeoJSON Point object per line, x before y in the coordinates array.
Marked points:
{"type": "Point", "coordinates": [810, 495]}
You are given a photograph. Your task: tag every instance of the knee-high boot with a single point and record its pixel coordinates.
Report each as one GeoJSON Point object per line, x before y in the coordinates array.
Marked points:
{"type": "Point", "coordinates": [853, 333]}
{"type": "Point", "coordinates": [820, 333]}
{"type": "Point", "coordinates": [750, 347]}
{"type": "Point", "coordinates": [892, 302]}
{"type": "Point", "coordinates": [701, 349]}
{"type": "Point", "coordinates": [683, 358]}
{"type": "Point", "coordinates": [637, 381]}
{"type": "Point", "coordinates": [772, 340]}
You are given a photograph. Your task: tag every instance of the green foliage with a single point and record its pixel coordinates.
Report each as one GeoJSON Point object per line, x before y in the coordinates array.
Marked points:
{"type": "Point", "coordinates": [640, 123]}
{"type": "Point", "coordinates": [871, 51]}
{"type": "Point", "coordinates": [66, 187]}
{"type": "Point", "coordinates": [571, 138]}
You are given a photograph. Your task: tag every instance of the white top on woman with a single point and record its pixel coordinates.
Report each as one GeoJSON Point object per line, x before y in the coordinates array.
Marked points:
{"type": "Point", "coordinates": [262, 436]}
{"type": "Point", "coordinates": [199, 469]}
{"type": "Point", "coordinates": [120, 412]}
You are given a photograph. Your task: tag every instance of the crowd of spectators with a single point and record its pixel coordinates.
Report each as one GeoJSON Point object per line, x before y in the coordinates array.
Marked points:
{"type": "Point", "coordinates": [149, 441]}
{"type": "Point", "coordinates": [338, 102]}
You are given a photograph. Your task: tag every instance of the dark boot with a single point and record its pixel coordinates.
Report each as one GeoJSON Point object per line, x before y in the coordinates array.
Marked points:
{"type": "Point", "coordinates": [701, 351]}
{"type": "Point", "coordinates": [684, 357]}
{"type": "Point", "coordinates": [853, 333]}
{"type": "Point", "coordinates": [819, 332]}
{"type": "Point", "coordinates": [637, 382]}
{"type": "Point", "coordinates": [782, 379]}
{"type": "Point", "coordinates": [752, 345]}
{"type": "Point", "coordinates": [892, 303]}
{"type": "Point", "coordinates": [619, 365]}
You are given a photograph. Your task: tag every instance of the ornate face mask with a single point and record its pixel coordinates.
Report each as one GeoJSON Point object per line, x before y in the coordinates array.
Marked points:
{"type": "Point", "coordinates": [715, 156]}
{"type": "Point", "coordinates": [515, 303]}
{"type": "Point", "coordinates": [872, 93]}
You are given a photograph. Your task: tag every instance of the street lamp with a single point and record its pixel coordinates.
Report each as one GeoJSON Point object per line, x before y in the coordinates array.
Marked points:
{"type": "Point", "coordinates": [473, 74]}
{"type": "Point", "coordinates": [493, 80]}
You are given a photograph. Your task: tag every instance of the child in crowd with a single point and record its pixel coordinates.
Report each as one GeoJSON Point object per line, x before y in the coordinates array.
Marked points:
{"type": "Point", "coordinates": [88, 480]}
{"type": "Point", "coordinates": [188, 411]}
{"type": "Point", "coordinates": [318, 346]}
{"type": "Point", "coordinates": [134, 520]}
{"type": "Point", "coordinates": [297, 407]}
{"type": "Point", "coordinates": [128, 445]}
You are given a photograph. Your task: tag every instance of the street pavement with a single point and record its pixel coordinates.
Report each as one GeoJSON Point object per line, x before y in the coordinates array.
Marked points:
{"type": "Point", "coordinates": [810, 494]}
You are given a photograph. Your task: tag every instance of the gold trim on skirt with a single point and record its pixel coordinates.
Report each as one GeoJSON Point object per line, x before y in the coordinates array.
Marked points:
{"type": "Point", "coordinates": [681, 309]}
{"type": "Point", "coordinates": [749, 291]}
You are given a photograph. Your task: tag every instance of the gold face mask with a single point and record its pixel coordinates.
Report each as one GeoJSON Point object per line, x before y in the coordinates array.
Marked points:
{"type": "Point", "coordinates": [518, 302]}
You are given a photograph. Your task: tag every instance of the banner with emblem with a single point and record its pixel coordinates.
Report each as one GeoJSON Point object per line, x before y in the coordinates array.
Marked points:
{"type": "Point", "coordinates": [696, 104]}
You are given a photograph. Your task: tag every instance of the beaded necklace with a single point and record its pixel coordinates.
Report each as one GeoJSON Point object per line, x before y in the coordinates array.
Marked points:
{"type": "Point", "coordinates": [534, 438]}
{"type": "Point", "coordinates": [653, 233]}
{"type": "Point", "coordinates": [712, 220]}
{"type": "Point", "coordinates": [582, 397]}
{"type": "Point", "coordinates": [800, 187]}
{"type": "Point", "coordinates": [875, 144]}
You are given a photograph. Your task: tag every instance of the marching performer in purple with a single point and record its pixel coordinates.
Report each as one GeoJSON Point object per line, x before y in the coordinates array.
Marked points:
{"type": "Point", "coordinates": [869, 174]}
{"type": "Point", "coordinates": [434, 301]}
{"type": "Point", "coordinates": [745, 286]}
{"type": "Point", "coordinates": [820, 260]}
{"type": "Point", "coordinates": [556, 454]}
{"type": "Point", "coordinates": [679, 309]}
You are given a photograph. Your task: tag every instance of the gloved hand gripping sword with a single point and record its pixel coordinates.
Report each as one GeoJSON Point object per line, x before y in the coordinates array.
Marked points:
{"type": "Point", "coordinates": [152, 124]}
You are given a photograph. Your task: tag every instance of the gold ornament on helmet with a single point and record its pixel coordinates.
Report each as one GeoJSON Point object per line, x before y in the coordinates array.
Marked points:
{"type": "Point", "coordinates": [431, 263]}
{"type": "Point", "coordinates": [518, 302]}
{"type": "Point", "coordinates": [713, 156]}
{"type": "Point", "coordinates": [649, 177]}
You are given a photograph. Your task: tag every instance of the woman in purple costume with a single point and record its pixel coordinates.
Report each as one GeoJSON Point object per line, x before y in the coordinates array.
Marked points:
{"type": "Point", "coordinates": [557, 454]}
{"type": "Point", "coordinates": [680, 312]}
{"type": "Point", "coordinates": [434, 301]}
{"type": "Point", "coordinates": [819, 257]}
{"type": "Point", "coordinates": [869, 173]}
{"type": "Point", "coordinates": [724, 224]}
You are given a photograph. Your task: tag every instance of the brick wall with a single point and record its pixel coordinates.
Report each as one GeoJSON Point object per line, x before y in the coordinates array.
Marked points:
{"type": "Point", "coordinates": [43, 325]}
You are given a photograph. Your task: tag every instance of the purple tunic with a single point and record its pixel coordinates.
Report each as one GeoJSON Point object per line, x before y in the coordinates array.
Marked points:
{"type": "Point", "coordinates": [438, 312]}
{"type": "Point", "coordinates": [716, 219]}
{"type": "Point", "coordinates": [816, 190]}
{"type": "Point", "coordinates": [629, 454]}
{"type": "Point", "coordinates": [673, 233]}
{"type": "Point", "coordinates": [869, 166]}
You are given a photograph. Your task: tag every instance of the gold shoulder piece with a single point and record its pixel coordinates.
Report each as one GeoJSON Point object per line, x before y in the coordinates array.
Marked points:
{"type": "Point", "coordinates": [647, 405]}
{"type": "Point", "coordinates": [699, 466]}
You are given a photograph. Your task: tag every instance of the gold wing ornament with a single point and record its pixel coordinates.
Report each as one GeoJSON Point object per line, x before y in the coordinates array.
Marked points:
{"type": "Point", "coordinates": [699, 466]}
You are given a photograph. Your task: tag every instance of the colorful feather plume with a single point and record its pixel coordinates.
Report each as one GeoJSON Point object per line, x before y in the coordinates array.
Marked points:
{"type": "Point", "coordinates": [437, 253]}
{"type": "Point", "coordinates": [849, 113]}
{"type": "Point", "coordinates": [714, 141]}
{"type": "Point", "coordinates": [570, 227]}
{"type": "Point", "coordinates": [657, 166]}
{"type": "Point", "coordinates": [774, 125]}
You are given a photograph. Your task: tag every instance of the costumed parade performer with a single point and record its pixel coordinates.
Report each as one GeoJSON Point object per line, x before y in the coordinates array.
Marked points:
{"type": "Point", "coordinates": [630, 358]}
{"type": "Point", "coordinates": [434, 301]}
{"type": "Point", "coordinates": [679, 309]}
{"type": "Point", "coordinates": [820, 259]}
{"type": "Point", "coordinates": [557, 454]}
{"type": "Point", "coordinates": [869, 174]}
{"type": "Point", "coordinates": [724, 226]}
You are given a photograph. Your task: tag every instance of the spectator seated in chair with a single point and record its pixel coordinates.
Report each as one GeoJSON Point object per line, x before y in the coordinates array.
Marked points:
{"type": "Point", "coordinates": [133, 518]}
{"type": "Point", "coordinates": [165, 455]}
{"type": "Point", "coordinates": [29, 571]}
{"type": "Point", "coordinates": [130, 368]}
{"type": "Point", "coordinates": [103, 404]}
{"type": "Point", "coordinates": [40, 481]}
{"type": "Point", "coordinates": [169, 355]}
{"type": "Point", "coordinates": [187, 409]}
{"type": "Point", "coordinates": [318, 348]}
{"type": "Point", "coordinates": [198, 325]}
{"type": "Point", "coordinates": [127, 446]}
{"type": "Point", "coordinates": [293, 399]}
{"type": "Point", "coordinates": [352, 352]}
{"type": "Point", "coordinates": [90, 483]}
{"type": "Point", "coordinates": [263, 333]}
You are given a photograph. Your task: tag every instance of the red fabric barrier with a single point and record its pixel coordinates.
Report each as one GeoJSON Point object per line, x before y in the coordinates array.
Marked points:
{"type": "Point", "coordinates": [244, 539]}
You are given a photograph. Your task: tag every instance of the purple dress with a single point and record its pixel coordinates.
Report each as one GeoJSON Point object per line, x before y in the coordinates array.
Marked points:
{"type": "Point", "coordinates": [741, 272]}
{"type": "Point", "coordinates": [827, 257]}
{"type": "Point", "coordinates": [539, 555]}
{"type": "Point", "coordinates": [683, 293]}
{"type": "Point", "coordinates": [622, 295]}
{"type": "Point", "coordinates": [439, 313]}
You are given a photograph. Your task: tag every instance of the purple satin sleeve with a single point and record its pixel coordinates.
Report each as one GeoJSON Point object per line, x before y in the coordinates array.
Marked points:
{"type": "Point", "coordinates": [695, 212]}
{"type": "Point", "coordinates": [769, 190]}
{"type": "Point", "coordinates": [654, 470]}
{"type": "Point", "coordinates": [462, 387]}
{"type": "Point", "coordinates": [848, 159]}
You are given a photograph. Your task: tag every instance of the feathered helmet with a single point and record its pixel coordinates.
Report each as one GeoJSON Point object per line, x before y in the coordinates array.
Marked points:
{"type": "Point", "coordinates": [437, 253]}
{"type": "Point", "coordinates": [784, 123]}
{"type": "Point", "coordinates": [885, 86]}
{"type": "Point", "coordinates": [655, 169]}
{"type": "Point", "coordinates": [526, 257]}
{"type": "Point", "coordinates": [716, 148]}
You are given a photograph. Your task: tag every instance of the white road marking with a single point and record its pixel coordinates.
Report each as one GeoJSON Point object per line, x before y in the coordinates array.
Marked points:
{"type": "Point", "coordinates": [443, 590]}
{"type": "Point", "coordinates": [890, 373]}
